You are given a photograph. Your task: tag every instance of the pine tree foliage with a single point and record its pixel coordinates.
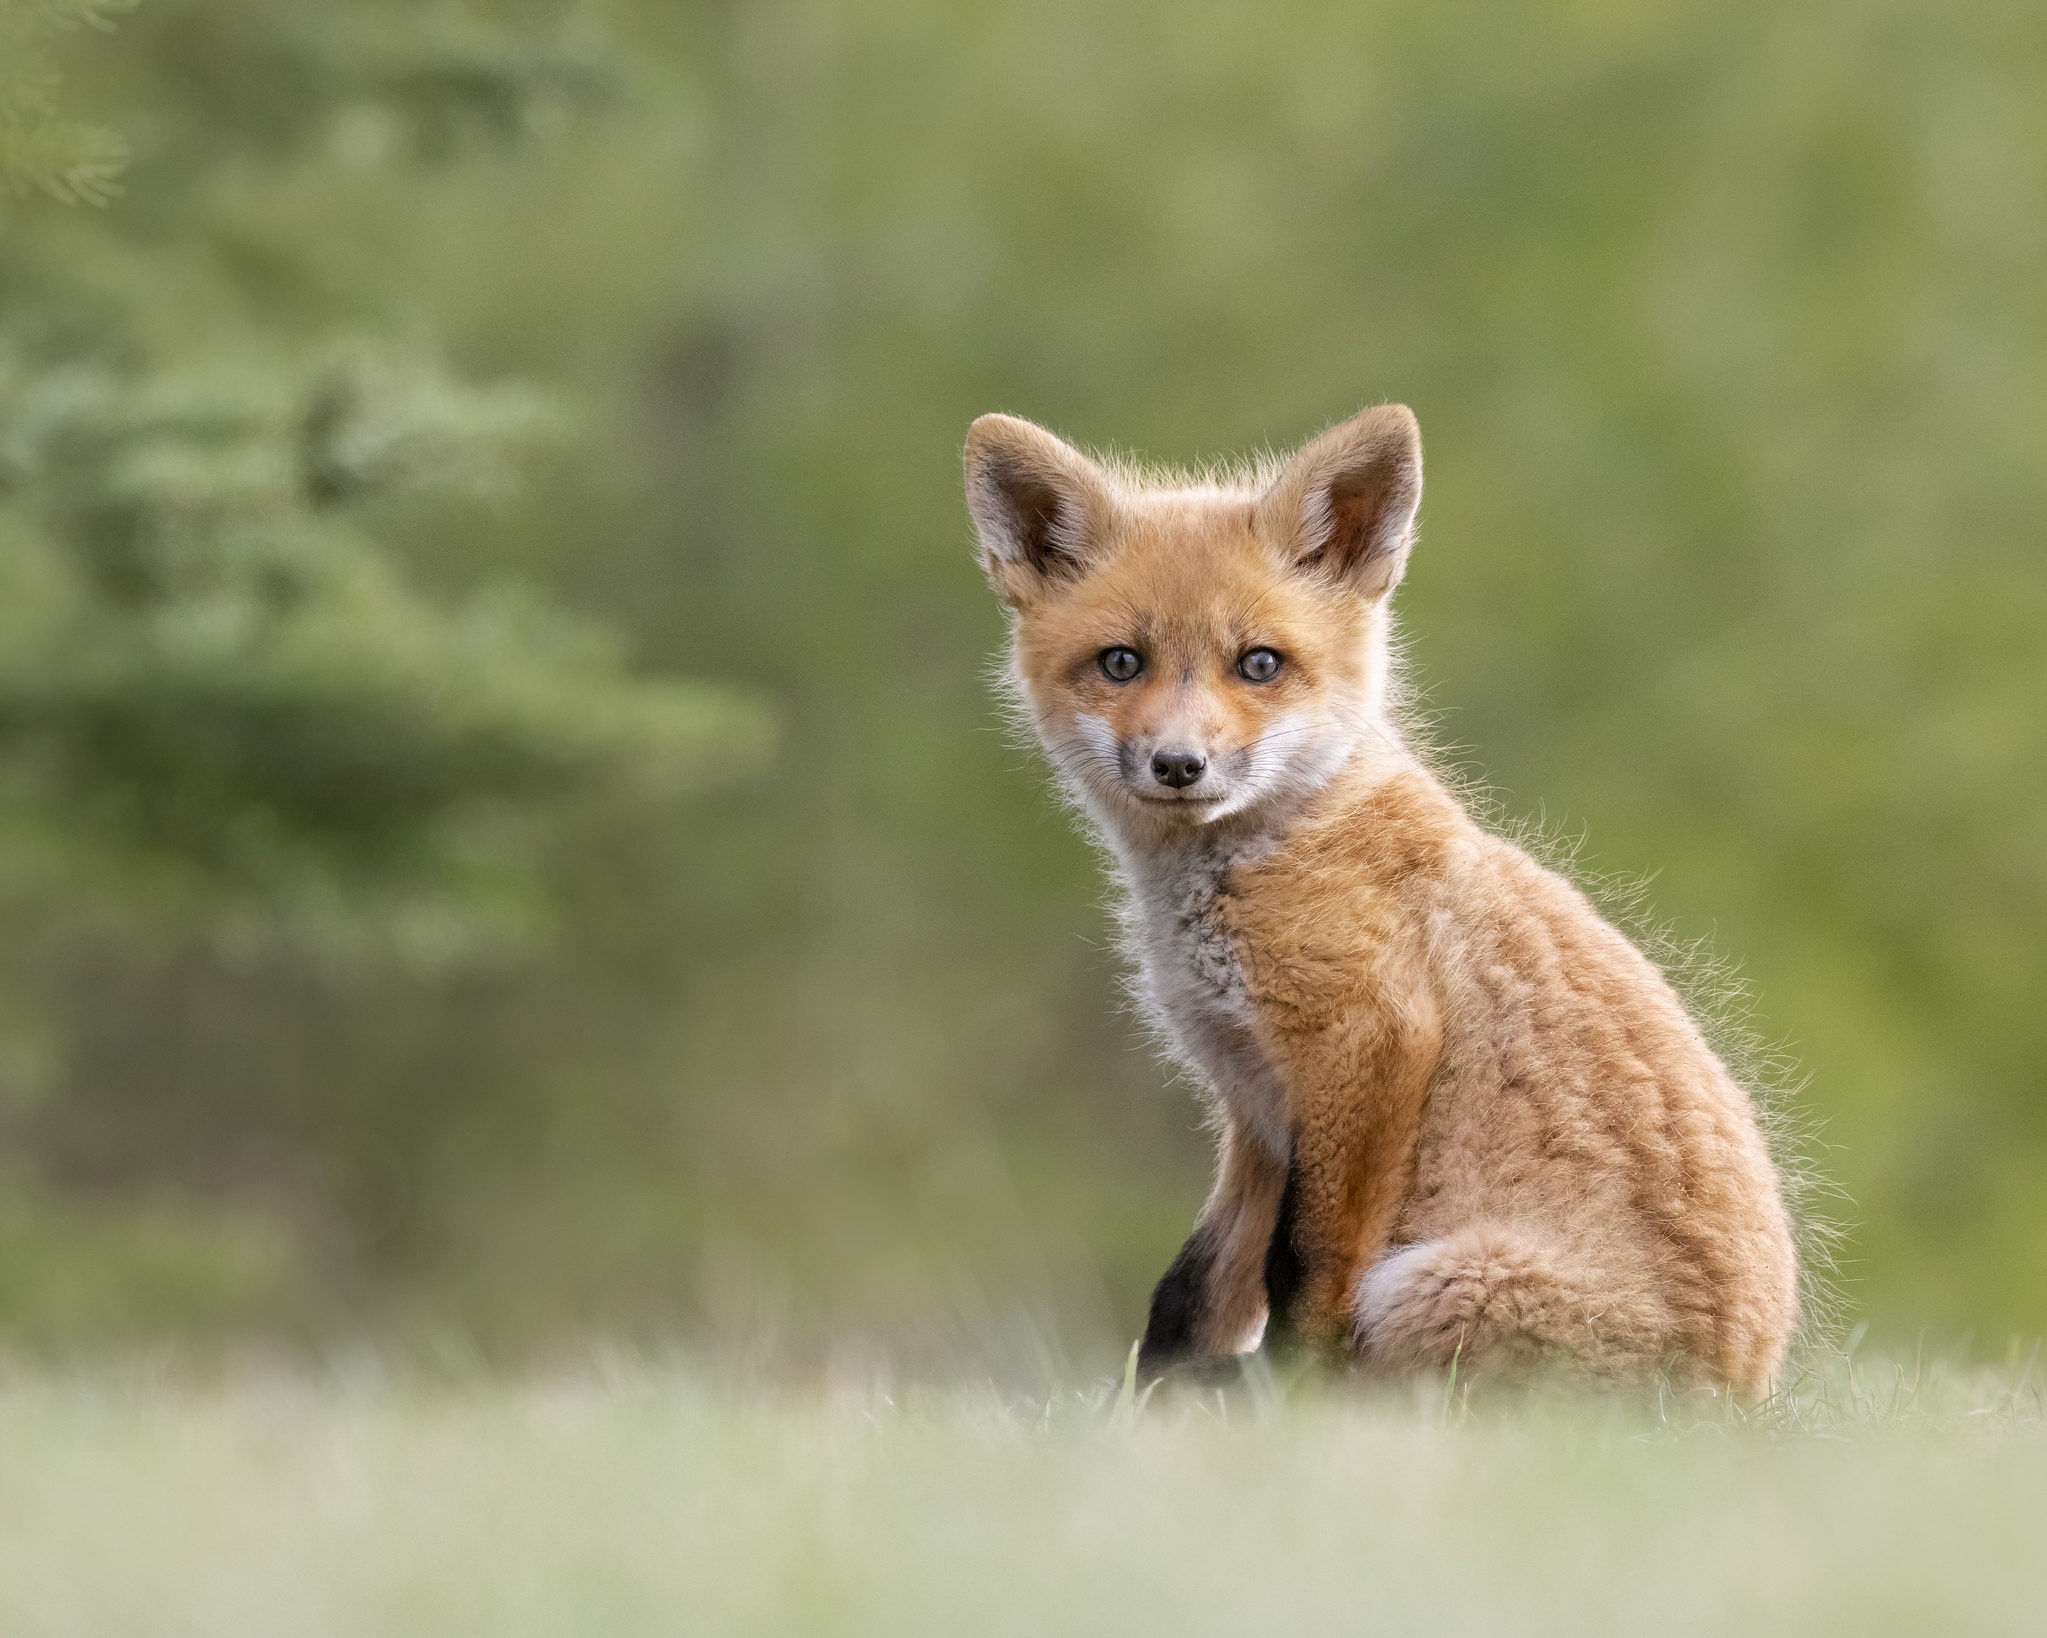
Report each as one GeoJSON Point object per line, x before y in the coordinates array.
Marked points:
{"type": "Point", "coordinates": [222, 696]}
{"type": "Point", "coordinates": [41, 146]}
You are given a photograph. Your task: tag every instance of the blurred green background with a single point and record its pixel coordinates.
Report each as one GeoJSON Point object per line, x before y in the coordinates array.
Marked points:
{"type": "Point", "coordinates": [503, 835]}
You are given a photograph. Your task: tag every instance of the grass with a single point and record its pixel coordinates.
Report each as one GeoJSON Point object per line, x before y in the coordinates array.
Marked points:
{"type": "Point", "coordinates": [645, 1500]}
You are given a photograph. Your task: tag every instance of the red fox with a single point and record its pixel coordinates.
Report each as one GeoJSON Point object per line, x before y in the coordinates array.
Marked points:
{"type": "Point", "coordinates": [1460, 1118]}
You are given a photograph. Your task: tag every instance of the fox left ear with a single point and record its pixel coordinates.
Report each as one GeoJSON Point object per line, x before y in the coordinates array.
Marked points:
{"type": "Point", "coordinates": [1344, 505]}
{"type": "Point", "coordinates": [1040, 507]}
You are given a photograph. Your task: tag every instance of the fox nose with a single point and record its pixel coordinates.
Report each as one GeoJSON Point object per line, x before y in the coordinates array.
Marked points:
{"type": "Point", "coordinates": [1177, 768]}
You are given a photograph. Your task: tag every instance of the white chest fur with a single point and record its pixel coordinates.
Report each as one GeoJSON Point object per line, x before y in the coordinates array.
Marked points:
{"type": "Point", "coordinates": [1192, 987]}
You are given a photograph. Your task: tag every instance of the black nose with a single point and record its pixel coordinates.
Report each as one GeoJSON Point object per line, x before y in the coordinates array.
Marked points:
{"type": "Point", "coordinates": [1177, 768]}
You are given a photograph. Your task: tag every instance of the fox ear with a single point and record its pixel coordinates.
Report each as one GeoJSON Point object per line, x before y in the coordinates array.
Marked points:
{"type": "Point", "coordinates": [1344, 505]}
{"type": "Point", "coordinates": [1039, 506]}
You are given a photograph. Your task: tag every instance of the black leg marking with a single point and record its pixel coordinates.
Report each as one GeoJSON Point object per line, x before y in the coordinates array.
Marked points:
{"type": "Point", "coordinates": [1283, 1271]}
{"type": "Point", "coordinates": [1177, 1305]}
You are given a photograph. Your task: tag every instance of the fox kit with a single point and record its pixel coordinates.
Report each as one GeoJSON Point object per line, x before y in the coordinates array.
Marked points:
{"type": "Point", "coordinates": [1459, 1116]}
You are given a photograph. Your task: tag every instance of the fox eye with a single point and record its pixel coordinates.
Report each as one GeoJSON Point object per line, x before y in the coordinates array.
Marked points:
{"type": "Point", "coordinates": [1260, 665]}
{"type": "Point", "coordinates": [1120, 664]}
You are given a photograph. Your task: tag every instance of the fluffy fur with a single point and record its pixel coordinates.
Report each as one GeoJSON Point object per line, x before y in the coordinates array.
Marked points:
{"type": "Point", "coordinates": [1460, 1117]}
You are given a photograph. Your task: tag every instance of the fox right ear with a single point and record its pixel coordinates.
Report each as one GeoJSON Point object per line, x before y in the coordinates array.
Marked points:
{"type": "Point", "coordinates": [1344, 505]}
{"type": "Point", "coordinates": [1040, 507]}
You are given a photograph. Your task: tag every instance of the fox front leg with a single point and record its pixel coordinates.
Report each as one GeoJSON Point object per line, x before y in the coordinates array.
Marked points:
{"type": "Point", "coordinates": [1211, 1301]}
{"type": "Point", "coordinates": [1361, 1081]}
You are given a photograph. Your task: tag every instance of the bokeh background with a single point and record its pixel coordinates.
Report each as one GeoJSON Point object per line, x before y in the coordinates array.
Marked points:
{"type": "Point", "coordinates": [504, 839]}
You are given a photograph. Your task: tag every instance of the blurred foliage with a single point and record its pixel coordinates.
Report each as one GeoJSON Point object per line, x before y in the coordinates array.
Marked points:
{"type": "Point", "coordinates": [40, 145]}
{"type": "Point", "coordinates": [1723, 325]}
{"type": "Point", "coordinates": [240, 724]}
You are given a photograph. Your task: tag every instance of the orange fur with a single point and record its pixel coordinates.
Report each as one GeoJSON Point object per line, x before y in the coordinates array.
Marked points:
{"type": "Point", "coordinates": [1499, 1135]}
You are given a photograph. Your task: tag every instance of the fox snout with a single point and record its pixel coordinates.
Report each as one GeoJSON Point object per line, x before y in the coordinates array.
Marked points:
{"type": "Point", "coordinates": [1178, 767]}
{"type": "Point", "coordinates": [1181, 758]}
{"type": "Point", "coordinates": [1169, 765]}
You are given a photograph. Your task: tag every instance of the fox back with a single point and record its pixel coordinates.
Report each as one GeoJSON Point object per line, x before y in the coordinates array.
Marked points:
{"type": "Point", "coordinates": [1459, 1116]}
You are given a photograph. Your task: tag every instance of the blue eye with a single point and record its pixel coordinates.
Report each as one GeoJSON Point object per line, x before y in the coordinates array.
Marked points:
{"type": "Point", "coordinates": [1120, 664]}
{"type": "Point", "coordinates": [1260, 665]}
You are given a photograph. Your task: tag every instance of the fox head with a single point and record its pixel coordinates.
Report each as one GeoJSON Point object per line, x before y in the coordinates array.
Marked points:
{"type": "Point", "coordinates": [1191, 652]}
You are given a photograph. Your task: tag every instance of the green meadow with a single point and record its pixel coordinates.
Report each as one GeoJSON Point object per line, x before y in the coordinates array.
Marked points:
{"type": "Point", "coordinates": [629, 1499]}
